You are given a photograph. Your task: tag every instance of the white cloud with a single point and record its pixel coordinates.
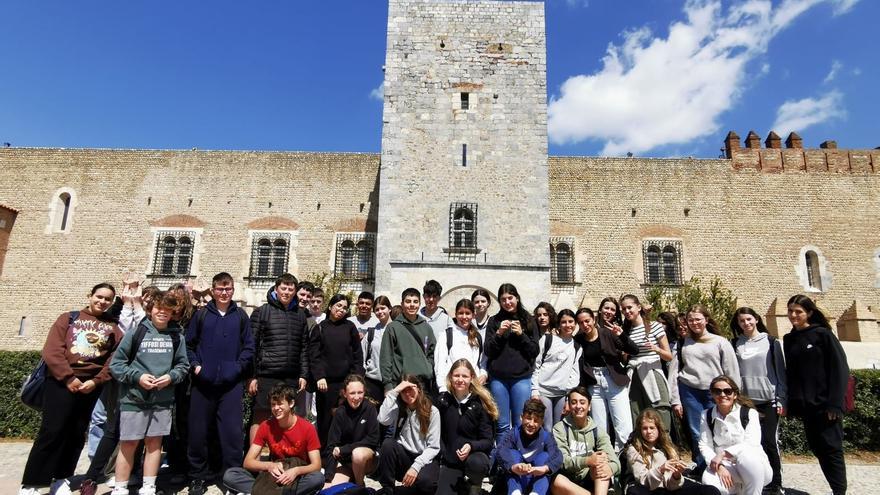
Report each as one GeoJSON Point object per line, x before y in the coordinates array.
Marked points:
{"type": "Point", "coordinates": [581, 3]}
{"type": "Point", "coordinates": [800, 114]}
{"type": "Point", "coordinates": [843, 6]}
{"type": "Point", "coordinates": [654, 91]}
{"type": "Point", "coordinates": [857, 71]}
{"type": "Point", "coordinates": [836, 65]}
{"type": "Point", "coordinates": [378, 93]}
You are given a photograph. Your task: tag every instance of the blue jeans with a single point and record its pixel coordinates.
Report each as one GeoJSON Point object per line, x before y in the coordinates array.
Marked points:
{"type": "Point", "coordinates": [611, 399]}
{"type": "Point", "coordinates": [695, 402]}
{"type": "Point", "coordinates": [510, 395]}
{"type": "Point", "coordinates": [96, 425]}
{"type": "Point", "coordinates": [527, 483]}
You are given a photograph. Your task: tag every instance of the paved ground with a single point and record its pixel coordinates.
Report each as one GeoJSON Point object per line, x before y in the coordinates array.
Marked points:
{"type": "Point", "coordinates": [800, 475]}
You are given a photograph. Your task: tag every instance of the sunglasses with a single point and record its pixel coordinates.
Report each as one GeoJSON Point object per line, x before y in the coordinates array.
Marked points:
{"type": "Point", "coordinates": [722, 391]}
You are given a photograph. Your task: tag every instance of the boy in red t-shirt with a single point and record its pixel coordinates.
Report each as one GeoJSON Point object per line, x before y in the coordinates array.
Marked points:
{"type": "Point", "coordinates": [287, 435]}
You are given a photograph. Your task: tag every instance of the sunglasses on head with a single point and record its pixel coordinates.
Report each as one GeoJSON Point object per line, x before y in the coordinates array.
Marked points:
{"type": "Point", "coordinates": [721, 391]}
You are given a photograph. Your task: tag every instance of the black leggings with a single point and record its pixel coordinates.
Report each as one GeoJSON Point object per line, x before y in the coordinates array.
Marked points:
{"type": "Point", "coordinates": [825, 438]}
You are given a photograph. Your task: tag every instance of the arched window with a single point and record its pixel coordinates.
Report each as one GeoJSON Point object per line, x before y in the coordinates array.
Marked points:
{"type": "Point", "coordinates": [279, 257]}
{"type": "Point", "coordinates": [264, 257]}
{"type": "Point", "coordinates": [348, 253]}
{"type": "Point", "coordinates": [174, 254]}
{"type": "Point", "coordinates": [814, 275]}
{"type": "Point", "coordinates": [61, 210]}
{"type": "Point", "coordinates": [662, 259]}
{"type": "Point", "coordinates": [354, 256]}
{"type": "Point", "coordinates": [670, 264]}
{"type": "Point", "coordinates": [269, 257]}
{"type": "Point", "coordinates": [652, 261]}
{"type": "Point", "coordinates": [561, 261]}
{"type": "Point", "coordinates": [463, 226]}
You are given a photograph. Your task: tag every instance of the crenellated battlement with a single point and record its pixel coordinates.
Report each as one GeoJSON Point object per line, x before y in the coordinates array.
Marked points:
{"type": "Point", "coordinates": [773, 158]}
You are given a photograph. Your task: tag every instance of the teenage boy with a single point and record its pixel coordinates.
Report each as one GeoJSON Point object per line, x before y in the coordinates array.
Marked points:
{"type": "Point", "coordinates": [220, 348]}
{"type": "Point", "coordinates": [294, 450]}
{"type": "Point", "coordinates": [408, 345]}
{"type": "Point", "coordinates": [434, 314]}
{"type": "Point", "coordinates": [281, 334]}
{"type": "Point", "coordinates": [148, 363]}
{"type": "Point", "coordinates": [528, 455]}
{"type": "Point", "coordinates": [364, 319]}
{"type": "Point", "coordinates": [304, 291]}
{"type": "Point", "coordinates": [316, 305]}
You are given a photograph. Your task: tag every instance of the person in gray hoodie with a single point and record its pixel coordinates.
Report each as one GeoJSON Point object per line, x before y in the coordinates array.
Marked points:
{"type": "Point", "coordinates": [147, 363]}
{"type": "Point", "coordinates": [762, 369]}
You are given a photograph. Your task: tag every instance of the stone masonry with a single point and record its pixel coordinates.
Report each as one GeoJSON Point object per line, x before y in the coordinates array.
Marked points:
{"type": "Point", "coordinates": [490, 151]}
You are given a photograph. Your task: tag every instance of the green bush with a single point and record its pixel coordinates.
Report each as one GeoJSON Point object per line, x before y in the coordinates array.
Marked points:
{"type": "Point", "coordinates": [717, 298]}
{"type": "Point", "coordinates": [16, 419]}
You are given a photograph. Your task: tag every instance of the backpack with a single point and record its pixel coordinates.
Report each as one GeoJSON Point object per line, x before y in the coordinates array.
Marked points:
{"type": "Point", "coordinates": [449, 343]}
{"type": "Point", "coordinates": [743, 418]}
{"type": "Point", "coordinates": [31, 392]}
{"type": "Point", "coordinates": [849, 398]}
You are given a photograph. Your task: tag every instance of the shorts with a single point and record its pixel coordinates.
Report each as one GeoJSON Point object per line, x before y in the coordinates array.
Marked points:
{"type": "Point", "coordinates": [137, 425]}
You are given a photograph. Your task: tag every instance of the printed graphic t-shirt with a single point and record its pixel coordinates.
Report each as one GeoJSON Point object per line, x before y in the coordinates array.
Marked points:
{"type": "Point", "coordinates": [295, 442]}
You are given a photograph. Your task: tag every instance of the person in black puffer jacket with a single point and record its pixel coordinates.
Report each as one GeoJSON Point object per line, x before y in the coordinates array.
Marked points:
{"type": "Point", "coordinates": [354, 436]}
{"type": "Point", "coordinates": [466, 415]}
{"type": "Point", "coordinates": [281, 335]}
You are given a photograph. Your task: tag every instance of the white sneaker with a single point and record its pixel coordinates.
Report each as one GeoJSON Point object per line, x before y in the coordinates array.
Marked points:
{"type": "Point", "coordinates": [28, 491]}
{"type": "Point", "coordinates": [111, 482]}
{"type": "Point", "coordinates": [60, 487]}
{"type": "Point", "coordinates": [147, 490]}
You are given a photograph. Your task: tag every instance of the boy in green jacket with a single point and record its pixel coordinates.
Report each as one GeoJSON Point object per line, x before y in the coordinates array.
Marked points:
{"type": "Point", "coordinates": [588, 458]}
{"type": "Point", "coordinates": [147, 363]}
{"type": "Point", "coordinates": [408, 346]}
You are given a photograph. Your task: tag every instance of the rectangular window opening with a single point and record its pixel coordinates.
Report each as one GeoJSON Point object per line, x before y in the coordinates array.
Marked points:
{"type": "Point", "coordinates": [465, 101]}
{"type": "Point", "coordinates": [464, 155]}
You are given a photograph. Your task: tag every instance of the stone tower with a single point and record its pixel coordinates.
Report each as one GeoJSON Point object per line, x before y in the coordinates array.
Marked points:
{"type": "Point", "coordinates": [464, 187]}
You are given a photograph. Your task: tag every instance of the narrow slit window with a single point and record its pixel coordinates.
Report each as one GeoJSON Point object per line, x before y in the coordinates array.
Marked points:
{"type": "Point", "coordinates": [465, 101]}
{"type": "Point", "coordinates": [464, 155]}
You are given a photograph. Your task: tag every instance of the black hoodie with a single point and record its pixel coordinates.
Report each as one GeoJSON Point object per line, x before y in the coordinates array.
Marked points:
{"type": "Point", "coordinates": [335, 350]}
{"type": "Point", "coordinates": [350, 429]}
{"type": "Point", "coordinates": [511, 356]}
{"type": "Point", "coordinates": [816, 371]}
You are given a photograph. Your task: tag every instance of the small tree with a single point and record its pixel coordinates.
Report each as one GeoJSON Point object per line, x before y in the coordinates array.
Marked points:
{"type": "Point", "coordinates": [718, 299]}
{"type": "Point", "coordinates": [331, 284]}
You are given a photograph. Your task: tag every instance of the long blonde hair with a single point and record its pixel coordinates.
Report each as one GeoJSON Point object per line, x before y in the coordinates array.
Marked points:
{"type": "Point", "coordinates": [663, 443]}
{"type": "Point", "coordinates": [476, 387]}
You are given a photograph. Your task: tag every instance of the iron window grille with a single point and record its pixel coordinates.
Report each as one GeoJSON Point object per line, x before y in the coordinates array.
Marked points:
{"type": "Point", "coordinates": [270, 252]}
{"type": "Point", "coordinates": [662, 262]}
{"type": "Point", "coordinates": [355, 256]}
{"type": "Point", "coordinates": [462, 227]}
{"type": "Point", "coordinates": [173, 256]}
{"type": "Point", "coordinates": [562, 260]}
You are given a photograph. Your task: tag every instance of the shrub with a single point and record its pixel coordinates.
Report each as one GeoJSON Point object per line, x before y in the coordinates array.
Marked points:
{"type": "Point", "coordinates": [717, 298]}
{"type": "Point", "coordinates": [16, 419]}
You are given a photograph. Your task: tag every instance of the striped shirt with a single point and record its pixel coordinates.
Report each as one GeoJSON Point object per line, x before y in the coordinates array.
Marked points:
{"type": "Point", "coordinates": [637, 335]}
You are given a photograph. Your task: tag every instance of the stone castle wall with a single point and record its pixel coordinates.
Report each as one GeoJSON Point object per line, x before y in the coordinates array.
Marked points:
{"type": "Point", "coordinates": [119, 196]}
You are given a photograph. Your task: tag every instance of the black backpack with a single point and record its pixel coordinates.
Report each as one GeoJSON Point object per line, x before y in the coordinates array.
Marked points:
{"type": "Point", "coordinates": [449, 343]}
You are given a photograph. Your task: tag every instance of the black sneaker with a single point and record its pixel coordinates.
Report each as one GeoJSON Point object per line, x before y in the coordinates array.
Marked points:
{"type": "Point", "coordinates": [197, 487]}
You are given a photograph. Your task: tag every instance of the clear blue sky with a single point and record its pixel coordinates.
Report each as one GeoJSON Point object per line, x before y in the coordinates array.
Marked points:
{"type": "Point", "coordinates": [658, 78]}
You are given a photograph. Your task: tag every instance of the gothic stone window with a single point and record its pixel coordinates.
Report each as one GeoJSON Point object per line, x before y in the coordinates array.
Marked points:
{"type": "Point", "coordinates": [562, 260]}
{"type": "Point", "coordinates": [662, 261]}
{"type": "Point", "coordinates": [270, 252]}
{"type": "Point", "coordinates": [462, 226]}
{"type": "Point", "coordinates": [355, 256]}
{"type": "Point", "coordinates": [172, 259]}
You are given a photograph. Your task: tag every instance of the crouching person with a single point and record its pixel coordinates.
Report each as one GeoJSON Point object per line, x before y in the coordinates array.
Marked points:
{"type": "Point", "coordinates": [294, 450]}
{"type": "Point", "coordinates": [589, 462]}
{"type": "Point", "coordinates": [409, 457]}
{"type": "Point", "coordinates": [147, 363]}
{"type": "Point", "coordinates": [528, 454]}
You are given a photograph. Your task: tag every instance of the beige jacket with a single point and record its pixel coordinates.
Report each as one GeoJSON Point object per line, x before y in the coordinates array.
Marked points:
{"type": "Point", "coordinates": [649, 475]}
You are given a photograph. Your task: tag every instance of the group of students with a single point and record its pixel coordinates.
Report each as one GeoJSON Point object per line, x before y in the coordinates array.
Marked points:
{"type": "Point", "coordinates": [539, 401]}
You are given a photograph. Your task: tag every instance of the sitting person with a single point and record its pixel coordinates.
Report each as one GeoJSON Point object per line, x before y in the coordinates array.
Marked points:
{"type": "Point", "coordinates": [654, 462]}
{"type": "Point", "coordinates": [528, 455]}
{"type": "Point", "coordinates": [354, 436]}
{"type": "Point", "coordinates": [730, 435]}
{"type": "Point", "coordinates": [588, 459]}
{"type": "Point", "coordinates": [410, 456]}
{"type": "Point", "coordinates": [466, 414]}
{"type": "Point", "coordinates": [293, 446]}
